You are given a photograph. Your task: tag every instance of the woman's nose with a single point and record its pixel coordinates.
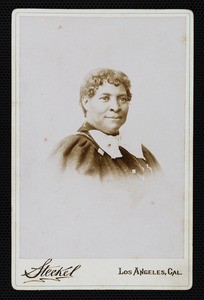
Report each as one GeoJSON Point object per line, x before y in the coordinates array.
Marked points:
{"type": "Point", "coordinates": [114, 105]}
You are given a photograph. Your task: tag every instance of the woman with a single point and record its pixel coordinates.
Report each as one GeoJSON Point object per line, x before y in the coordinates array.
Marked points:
{"type": "Point", "coordinates": [96, 150]}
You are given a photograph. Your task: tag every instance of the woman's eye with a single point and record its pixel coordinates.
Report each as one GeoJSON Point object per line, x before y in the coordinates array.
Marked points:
{"type": "Point", "coordinates": [105, 98]}
{"type": "Point", "coordinates": [123, 99]}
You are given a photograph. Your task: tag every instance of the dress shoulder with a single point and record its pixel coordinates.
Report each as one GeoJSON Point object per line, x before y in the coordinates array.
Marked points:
{"type": "Point", "coordinates": [76, 152]}
{"type": "Point", "coordinates": [150, 159]}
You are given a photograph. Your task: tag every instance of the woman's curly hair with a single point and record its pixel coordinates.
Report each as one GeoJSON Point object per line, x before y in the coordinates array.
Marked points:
{"type": "Point", "coordinates": [98, 77]}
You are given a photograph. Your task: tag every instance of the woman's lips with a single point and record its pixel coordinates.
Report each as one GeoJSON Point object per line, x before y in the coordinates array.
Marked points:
{"type": "Point", "coordinates": [114, 117]}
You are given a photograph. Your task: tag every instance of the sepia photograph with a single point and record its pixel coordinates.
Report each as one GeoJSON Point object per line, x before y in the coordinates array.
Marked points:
{"type": "Point", "coordinates": [102, 118]}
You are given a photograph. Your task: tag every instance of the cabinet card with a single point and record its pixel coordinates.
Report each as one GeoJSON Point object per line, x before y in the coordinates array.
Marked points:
{"type": "Point", "coordinates": [102, 133]}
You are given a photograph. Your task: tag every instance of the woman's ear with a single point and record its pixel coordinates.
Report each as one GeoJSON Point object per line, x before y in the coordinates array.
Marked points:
{"type": "Point", "coordinates": [85, 102]}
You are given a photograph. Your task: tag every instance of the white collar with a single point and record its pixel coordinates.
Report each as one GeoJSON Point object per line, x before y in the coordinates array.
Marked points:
{"type": "Point", "coordinates": [133, 147]}
{"type": "Point", "coordinates": [103, 140]}
{"type": "Point", "coordinates": [109, 143]}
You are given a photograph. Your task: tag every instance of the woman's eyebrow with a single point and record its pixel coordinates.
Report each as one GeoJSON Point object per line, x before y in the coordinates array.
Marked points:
{"type": "Point", "coordinates": [108, 94]}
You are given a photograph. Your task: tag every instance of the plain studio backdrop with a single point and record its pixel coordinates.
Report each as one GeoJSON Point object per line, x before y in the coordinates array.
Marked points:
{"type": "Point", "coordinates": [55, 54]}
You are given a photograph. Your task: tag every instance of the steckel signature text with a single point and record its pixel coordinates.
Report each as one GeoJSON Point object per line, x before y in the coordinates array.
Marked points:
{"type": "Point", "coordinates": [47, 272]}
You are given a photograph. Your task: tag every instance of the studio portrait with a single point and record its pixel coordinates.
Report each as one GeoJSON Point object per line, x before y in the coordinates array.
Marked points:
{"type": "Point", "coordinates": [96, 150]}
{"type": "Point", "coordinates": [102, 136]}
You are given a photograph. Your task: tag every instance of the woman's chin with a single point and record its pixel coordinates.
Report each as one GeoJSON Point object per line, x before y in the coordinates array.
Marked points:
{"type": "Point", "coordinates": [111, 131]}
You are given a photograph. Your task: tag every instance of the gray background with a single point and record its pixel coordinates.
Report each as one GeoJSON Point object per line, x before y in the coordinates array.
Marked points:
{"type": "Point", "coordinates": [55, 55]}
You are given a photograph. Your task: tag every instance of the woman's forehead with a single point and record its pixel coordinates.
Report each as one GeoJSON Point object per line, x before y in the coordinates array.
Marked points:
{"type": "Point", "coordinates": [108, 88]}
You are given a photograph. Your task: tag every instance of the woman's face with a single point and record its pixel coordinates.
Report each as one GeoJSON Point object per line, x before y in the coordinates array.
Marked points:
{"type": "Point", "coordinates": [107, 110]}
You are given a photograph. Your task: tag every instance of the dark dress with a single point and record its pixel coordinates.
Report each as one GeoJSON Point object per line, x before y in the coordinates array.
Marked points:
{"type": "Point", "coordinates": [81, 153]}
